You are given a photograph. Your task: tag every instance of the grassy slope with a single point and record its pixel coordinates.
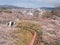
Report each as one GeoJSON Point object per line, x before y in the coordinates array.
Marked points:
{"type": "Point", "coordinates": [23, 34]}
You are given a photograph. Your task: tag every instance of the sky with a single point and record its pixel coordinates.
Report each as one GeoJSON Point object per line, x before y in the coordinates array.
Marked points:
{"type": "Point", "coordinates": [31, 3]}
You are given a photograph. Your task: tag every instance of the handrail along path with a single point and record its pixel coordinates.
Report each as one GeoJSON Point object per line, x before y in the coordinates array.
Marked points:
{"type": "Point", "coordinates": [35, 36]}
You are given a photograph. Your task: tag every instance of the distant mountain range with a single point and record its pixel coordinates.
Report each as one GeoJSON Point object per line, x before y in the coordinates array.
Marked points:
{"type": "Point", "coordinates": [10, 7]}
{"type": "Point", "coordinates": [15, 7]}
{"type": "Point", "coordinates": [47, 8]}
